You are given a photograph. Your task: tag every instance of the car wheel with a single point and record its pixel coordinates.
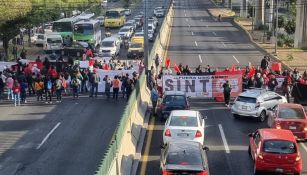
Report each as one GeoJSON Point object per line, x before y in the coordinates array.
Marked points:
{"type": "Point", "coordinates": [249, 151]}
{"type": "Point", "coordinates": [236, 116]}
{"type": "Point", "coordinates": [262, 116]}
{"type": "Point", "coordinates": [255, 170]}
{"type": "Point", "coordinates": [297, 173]}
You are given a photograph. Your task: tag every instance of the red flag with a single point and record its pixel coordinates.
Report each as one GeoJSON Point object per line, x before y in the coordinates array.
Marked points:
{"type": "Point", "coordinates": [167, 62]}
{"type": "Point", "coordinates": [91, 62]}
{"type": "Point", "coordinates": [251, 72]}
{"type": "Point", "coordinates": [233, 68]}
{"type": "Point", "coordinates": [106, 67]}
{"type": "Point", "coordinates": [176, 68]}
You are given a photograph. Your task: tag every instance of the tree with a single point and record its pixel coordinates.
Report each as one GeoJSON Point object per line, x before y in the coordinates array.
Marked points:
{"type": "Point", "coordinates": [290, 26]}
{"type": "Point", "coordinates": [12, 9]}
{"type": "Point", "coordinates": [282, 20]}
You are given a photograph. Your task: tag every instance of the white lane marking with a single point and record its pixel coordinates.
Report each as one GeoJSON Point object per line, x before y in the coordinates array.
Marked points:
{"type": "Point", "coordinates": [304, 146]}
{"type": "Point", "coordinates": [201, 61]}
{"type": "Point", "coordinates": [48, 135]}
{"type": "Point", "coordinates": [206, 25]}
{"type": "Point", "coordinates": [214, 33]}
{"type": "Point", "coordinates": [184, 11]}
{"type": "Point", "coordinates": [224, 139]}
{"type": "Point", "coordinates": [196, 44]}
{"type": "Point", "coordinates": [223, 44]}
{"type": "Point", "coordinates": [187, 19]}
{"type": "Point", "coordinates": [189, 26]}
{"type": "Point", "coordinates": [192, 33]}
{"type": "Point", "coordinates": [185, 14]}
{"type": "Point", "coordinates": [235, 58]}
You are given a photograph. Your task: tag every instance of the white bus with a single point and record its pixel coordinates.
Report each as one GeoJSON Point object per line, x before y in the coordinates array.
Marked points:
{"type": "Point", "coordinates": [85, 16]}
{"type": "Point", "coordinates": [88, 31]}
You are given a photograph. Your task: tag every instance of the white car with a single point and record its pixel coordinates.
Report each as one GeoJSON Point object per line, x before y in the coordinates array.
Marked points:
{"type": "Point", "coordinates": [127, 12]}
{"type": "Point", "coordinates": [256, 103]}
{"type": "Point", "coordinates": [101, 20]}
{"type": "Point", "coordinates": [38, 39]}
{"type": "Point", "coordinates": [184, 125]}
{"type": "Point", "coordinates": [125, 32]}
{"type": "Point", "coordinates": [151, 33]}
{"type": "Point", "coordinates": [154, 21]}
{"type": "Point", "coordinates": [159, 13]}
{"type": "Point", "coordinates": [131, 24]}
{"type": "Point", "coordinates": [157, 8]}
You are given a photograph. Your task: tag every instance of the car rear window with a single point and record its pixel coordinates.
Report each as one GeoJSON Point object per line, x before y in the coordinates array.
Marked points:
{"type": "Point", "coordinates": [184, 158]}
{"type": "Point", "coordinates": [246, 99]}
{"type": "Point", "coordinates": [279, 147]}
{"type": "Point", "coordinates": [185, 121]}
{"type": "Point", "coordinates": [292, 113]}
{"type": "Point", "coordinates": [174, 99]}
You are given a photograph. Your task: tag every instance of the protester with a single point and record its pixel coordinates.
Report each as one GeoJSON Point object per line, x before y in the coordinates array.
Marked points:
{"type": "Point", "coordinates": [115, 84]}
{"type": "Point", "coordinates": [1, 86]}
{"type": "Point", "coordinates": [108, 85]}
{"type": "Point", "coordinates": [39, 87]}
{"type": "Point", "coordinates": [227, 91]}
{"type": "Point", "coordinates": [154, 96]}
{"type": "Point", "coordinates": [75, 82]}
{"type": "Point", "coordinates": [9, 84]}
{"type": "Point", "coordinates": [16, 92]}
{"type": "Point", "coordinates": [94, 80]}
{"type": "Point", "coordinates": [23, 91]}
{"type": "Point", "coordinates": [129, 88]}
{"type": "Point", "coordinates": [58, 88]}
{"type": "Point", "coordinates": [264, 63]}
{"type": "Point", "coordinates": [48, 89]}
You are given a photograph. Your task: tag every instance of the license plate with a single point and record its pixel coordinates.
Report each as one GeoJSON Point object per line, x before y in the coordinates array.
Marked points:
{"type": "Point", "coordinates": [292, 127]}
{"type": "Point", "coordinates": [279, 170]}
{"type": "Point", "coordinates": [182, 135]}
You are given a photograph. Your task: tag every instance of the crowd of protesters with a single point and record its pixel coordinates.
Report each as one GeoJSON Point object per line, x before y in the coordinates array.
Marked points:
{"type": "Point", "coordinates": [261, 77]}
{"type": "Point", "coordinates": [51, 81]}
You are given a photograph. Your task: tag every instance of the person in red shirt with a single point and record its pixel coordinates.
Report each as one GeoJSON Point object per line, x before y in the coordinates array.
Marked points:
{"type": "Point", "coordinates": [16, 91]}
{"type": "Point", "coordinates": [89, 53]}
{"type": "Point", "coordinates": [53, 73]}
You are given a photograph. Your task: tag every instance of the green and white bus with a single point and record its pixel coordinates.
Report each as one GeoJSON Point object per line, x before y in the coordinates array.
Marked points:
{"type": "Point", "coordinates": [87, 31]}
{"type": "Point", "coordinates": [64, 26]}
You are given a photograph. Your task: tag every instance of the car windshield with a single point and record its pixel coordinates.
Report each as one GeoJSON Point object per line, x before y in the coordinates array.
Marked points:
{"type": "Point", "coordinates": [124, 30]}
{"type": "Point", "coordinates": [85, 29]}
{"type": "Point", "coordinates": [54, 40]}
{"type": "Point", "coordinates": [136, 45]}
{"type": "Point", "coordinates": [279, 147]}
{"type": "Point", "coordinates": [40, 37]}
{"type": "Point", "coordinates": [246, 99]}
{"type": "Point", "coordinates": [107, 44]}
{"type": "Point", "coordinates": [139, 34]}
{"type": "Point", "coordinates": [174, 99]}
{"type": "Point", "coordinates": [291, 113]}
{"type": "Point", "coordinates": [62, 27]}
{"type": "Point", "coordinates": [184, 157]}
{"type": "Point", "coordinates": [185, 121]}
{"type": "Point", "coordinates": [112, 14]}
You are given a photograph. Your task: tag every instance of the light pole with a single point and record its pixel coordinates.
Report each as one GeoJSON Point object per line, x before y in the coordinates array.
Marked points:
{"type": "Point", "coordinates": [146, 61]}
{"type": "Point", "coordinates": [276, 27]}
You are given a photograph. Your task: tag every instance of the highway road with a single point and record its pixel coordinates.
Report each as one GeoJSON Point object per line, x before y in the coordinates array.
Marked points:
{"type": "Point", "coordinates": [199, 39]}
{"type": "Point", "coordinates": [63, 138]}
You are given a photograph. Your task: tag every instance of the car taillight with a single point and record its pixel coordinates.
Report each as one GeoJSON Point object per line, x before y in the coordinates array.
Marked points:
{"type": "Point", "coordinates": [298, 157]}
{"type": "Point", "coordinates": [168, 133]}
{"type": "Point", "coordinates": [260, 156]}
{"type": "Point", "coordinates": [203, 173]}
{"type": "Point", "coordinates": [278, 127]}
{"type": "Point", "coordinates": [305, 129]}
{"type": "Point", "coordinates": [165, 172]}
{"type": "Point", "coordinates": [198, 134]}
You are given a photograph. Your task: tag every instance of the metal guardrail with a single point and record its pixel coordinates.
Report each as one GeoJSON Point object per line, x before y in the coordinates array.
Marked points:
{"type": "Point", "coordinates": [111, 153]}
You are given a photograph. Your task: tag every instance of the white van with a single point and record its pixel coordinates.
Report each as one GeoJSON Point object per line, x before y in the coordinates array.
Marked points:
{"type": "Point", "coordinates": [110, 44]}
{"type": "Point", "coordinates": [53, 42]}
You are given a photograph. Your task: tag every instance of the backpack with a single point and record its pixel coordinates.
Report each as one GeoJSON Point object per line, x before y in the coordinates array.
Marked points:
{"type": "Point", "coordinates": [49, 85]}
{"type": "Point", "coordinates": [58, 84]}
{"type": "Point", "coordinates": [227, 89]}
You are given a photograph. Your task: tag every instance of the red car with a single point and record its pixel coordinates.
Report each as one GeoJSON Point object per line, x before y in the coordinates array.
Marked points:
{"type": "Point", "coordinates": [275, 151]}
{"type": "Point", "coordinates": [291, 117]}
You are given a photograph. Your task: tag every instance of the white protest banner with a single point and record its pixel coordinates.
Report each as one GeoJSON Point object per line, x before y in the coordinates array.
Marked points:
{"type": "Point", "coordinates": [203, 85]}
{"type": "Point", "coordinates": [111, 73]}
{"type": "Point", "coordinates": [84, 64]}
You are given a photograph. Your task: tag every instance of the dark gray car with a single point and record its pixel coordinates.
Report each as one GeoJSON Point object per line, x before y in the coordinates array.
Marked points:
{"type": "Point", "coordinates": [182, 158]}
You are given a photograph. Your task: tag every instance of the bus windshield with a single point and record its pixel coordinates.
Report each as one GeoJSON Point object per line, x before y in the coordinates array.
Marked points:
{"type": "Point", "coordinates": [85, 29]}
{"type": "Point", "coordinates": [112, 14]}
{"type": "Point", "coordinates": [62, 27]}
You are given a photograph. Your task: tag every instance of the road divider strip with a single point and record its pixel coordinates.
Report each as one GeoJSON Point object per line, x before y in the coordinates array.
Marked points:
{"type": "Point", "coordinates": [304, 146]}
{"type": "Point", "coordinates": [200, 60]}
{"type": "Point", "coordinates": [196, 44]}
{"type": "Point", "coordinates": [48, 135]}
{"type": "Point", "coordinates": [235, 59]}
{"type": "Point", "coordinates": [227, 150]}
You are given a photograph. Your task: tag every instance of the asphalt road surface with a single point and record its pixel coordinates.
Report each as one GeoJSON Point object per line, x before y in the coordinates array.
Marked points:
{"type": "Point", "coordinates": [199, 39]}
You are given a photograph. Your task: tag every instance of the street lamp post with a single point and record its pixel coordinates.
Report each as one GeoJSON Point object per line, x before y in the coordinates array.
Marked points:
{"type": "Point", "coordinates": [146, 61]}
{"type": "Point", "coordinates": [276, 27]}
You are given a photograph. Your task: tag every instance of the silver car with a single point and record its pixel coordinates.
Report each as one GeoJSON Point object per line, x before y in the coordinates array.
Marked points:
{"type": "Point", "coordinates": [256, 103]}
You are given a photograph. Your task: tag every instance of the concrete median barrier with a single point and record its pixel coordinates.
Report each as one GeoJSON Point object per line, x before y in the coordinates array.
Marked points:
{"type": "Point", "coordinates": [119, 157]}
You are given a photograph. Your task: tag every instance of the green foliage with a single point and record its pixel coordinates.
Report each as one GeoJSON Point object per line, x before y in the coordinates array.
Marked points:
{"type": "Point", "coordinates": [282, 21]}
{"type": "Point", "coordinates": [281, 36]}
{"type": "Point", "coordinates": [263, 27]}
{"type": "Point", "coordinates": [11, 9]}
{"type": "Point", "coordinates": [280, 43]}
{"type": "Point", "coordinates": [290, 26]}
{"type": "Point", "coordinates": [289, 41]}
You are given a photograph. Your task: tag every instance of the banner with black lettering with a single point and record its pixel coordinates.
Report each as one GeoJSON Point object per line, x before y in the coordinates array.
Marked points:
{"type": "Point", "coordinates": [202, 85]}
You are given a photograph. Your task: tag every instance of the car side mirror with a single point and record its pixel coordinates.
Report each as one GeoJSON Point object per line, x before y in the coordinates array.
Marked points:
{"type": "Point", "coordinates": [204, 117]}
{"type": "Point", "coordinates": [163, 146]}
{"type": "Point", "coordinates": [250, 134]}
{"type": "Point", "coordinates": [205, 148]}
